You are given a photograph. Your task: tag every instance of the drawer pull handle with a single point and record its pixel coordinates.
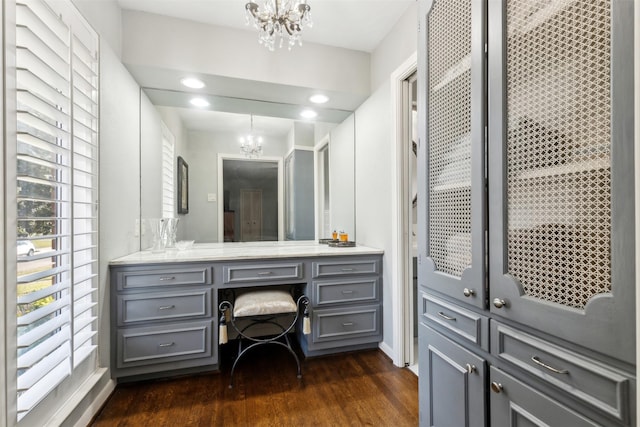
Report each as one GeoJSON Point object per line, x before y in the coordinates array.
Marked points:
{"type": "Point", "coordinates": [265, 273]}
{"type": "Point", "coordinates": [347, 324]}
{"type": "Point", "coordinates": [496, 387]}
{"type": "Point", "coordinates": [445, 317]}
{"type": "Point", "coordinates": [166, 307]}
{"type": "Point", "coordinates": [537, 361]}
{"type": "Point", "coordinates": [347, 292]}
{"type": "Point", "coordinates": [167, 344]}
{"type": "Point", "coordinates": [468, 292]}
{"type": "Point", "coordinates": [348, 269]}
{"type": "Point", "coordinates": [470, 368]}
{"type": "Point", "coordinates": [165, 278]}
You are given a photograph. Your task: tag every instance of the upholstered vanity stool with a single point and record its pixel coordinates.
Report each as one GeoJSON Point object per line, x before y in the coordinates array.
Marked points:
{"type": "Point", "coordinates": [259, 307]}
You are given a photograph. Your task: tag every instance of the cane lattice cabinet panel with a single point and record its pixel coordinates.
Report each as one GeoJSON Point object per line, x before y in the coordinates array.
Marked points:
{"type": "Point", "coordinates": [544, 132]}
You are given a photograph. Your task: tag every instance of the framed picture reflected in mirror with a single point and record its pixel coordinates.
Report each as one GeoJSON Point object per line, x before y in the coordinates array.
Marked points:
{"type": "Point", "coordinates": [183, 186]}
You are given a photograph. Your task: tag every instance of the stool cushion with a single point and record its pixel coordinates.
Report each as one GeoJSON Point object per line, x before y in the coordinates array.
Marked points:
{"type": "Point", "coordinates": [264, 302]}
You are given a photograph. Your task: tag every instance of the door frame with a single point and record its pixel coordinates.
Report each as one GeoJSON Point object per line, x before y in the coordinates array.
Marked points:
{"type": "Point", "coordinates": [220, 209]}
{"type": "Point", "coordinates": [318, 184]}
{"type": "Point", "coordinates": [401, 298]}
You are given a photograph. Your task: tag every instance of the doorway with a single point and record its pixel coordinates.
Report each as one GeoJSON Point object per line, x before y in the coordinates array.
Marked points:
{"type": "Point", "coordinates": [410, 196]}
{"type": "Point", "coordinates": [404, 89]}
{"type": "Point", "coordinates": [250, 193]}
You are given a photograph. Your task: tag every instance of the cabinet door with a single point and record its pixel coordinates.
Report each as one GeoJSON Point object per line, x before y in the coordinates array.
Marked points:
{"type": "Point", "coordinates": [561, 210]}
{"type": "Point", "coordinates": [451, 151]}
{"type": "Point", "coordinates": [451, 383]}
{"type": "Point", "coordinates": [517, 404]}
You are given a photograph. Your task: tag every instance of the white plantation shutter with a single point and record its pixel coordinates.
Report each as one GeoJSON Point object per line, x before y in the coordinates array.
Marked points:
{"type": "Point", "coordinates": [168, 173]}
{"type": "Point", "coordinates": [57, 173]}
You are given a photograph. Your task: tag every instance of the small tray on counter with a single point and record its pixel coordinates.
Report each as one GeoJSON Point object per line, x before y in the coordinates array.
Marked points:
{"type": "Point", "coordinates": [327, 241]}
{"type": "Point", "coordinates": [339, 244]}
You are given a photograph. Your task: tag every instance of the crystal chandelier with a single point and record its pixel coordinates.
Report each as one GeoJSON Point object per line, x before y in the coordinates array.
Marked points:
{"type": "Point", "coordinates": [277, 19]}
{"type": "Point", "coordinates": [251, 145]}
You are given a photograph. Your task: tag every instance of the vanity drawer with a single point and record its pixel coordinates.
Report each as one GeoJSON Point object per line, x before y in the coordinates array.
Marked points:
{"type": "Point", "coordinates": [161, 344]}
{"type": "Point", "coordinates": [262, 272]}
{"type": "Point", "coordinates": [345, 291]}
{"type": "Point", "coordinates": [163, 306]}
{"type": "Point", "coordinates": [345, 324]}
{"type": "Point", "coordinates": [587, 380]}
{"type": "Point", "coordinates": [178, 275]}
{"type": "Point", "coordinates": [466, 324]}
{"type": "Point", "coordinates": [345, 267]}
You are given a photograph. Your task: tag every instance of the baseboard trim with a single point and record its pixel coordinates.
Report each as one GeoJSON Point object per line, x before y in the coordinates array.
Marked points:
{"type": "Point", "coordinates": [94, 408]}
{"type": "Point", "coordinates": [390, 353]}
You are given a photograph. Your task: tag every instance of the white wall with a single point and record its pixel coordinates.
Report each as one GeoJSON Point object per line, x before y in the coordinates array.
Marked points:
{"type": "Point", "coordinates": [342, 178]}
{"type": "Point", "coordinates": [150, 168]}
{"type": "Point", "coordinates": [374, 157]}
{"type": "Point", "coordinates": [395, 48]}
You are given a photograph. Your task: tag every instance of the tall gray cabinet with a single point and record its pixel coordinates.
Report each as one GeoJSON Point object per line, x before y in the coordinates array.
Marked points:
{"type": "Point", "coordinates": [526, 213]}
{"type": "Point", "coordinates": [299, 195]}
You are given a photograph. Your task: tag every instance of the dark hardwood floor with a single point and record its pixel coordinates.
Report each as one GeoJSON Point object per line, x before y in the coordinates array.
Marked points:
{"type": "Point", "coordinates": [354, 389]}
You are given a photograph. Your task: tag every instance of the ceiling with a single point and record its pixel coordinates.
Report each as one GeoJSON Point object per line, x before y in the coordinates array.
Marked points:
{"type": "Point", "coordinates": [351, 24]}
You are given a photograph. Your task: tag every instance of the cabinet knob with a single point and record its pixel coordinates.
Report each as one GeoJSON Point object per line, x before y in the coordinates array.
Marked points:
{"type": "Point", "coordinates": [470, 368]}
{"type": "Point", "coordinates": [468, 292]}
{"type": "Point", "coordinates": [496, 387]}
{"type": "Point", "coordinates": [499, 303]}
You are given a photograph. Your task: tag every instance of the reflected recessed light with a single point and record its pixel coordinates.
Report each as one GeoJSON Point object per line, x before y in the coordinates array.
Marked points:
{"type": "Point", "coordinates": [192, 82]}
{"type": "Point", "coordinates": [199, 102]}
{"type": "Point", "coordinates": [308, 114]}
{"type": "Point", "coordinates": [318, 98]}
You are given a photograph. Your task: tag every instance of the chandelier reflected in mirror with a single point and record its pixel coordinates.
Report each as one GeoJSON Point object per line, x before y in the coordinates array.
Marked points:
{"type": "Point", "coordinates": [276, 20]}
{"type": "Point", "coordinates": [251, 144]}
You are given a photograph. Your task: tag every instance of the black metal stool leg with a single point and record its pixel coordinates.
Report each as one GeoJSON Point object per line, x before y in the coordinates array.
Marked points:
{"type": "Point", "coordinates": [226, 305]}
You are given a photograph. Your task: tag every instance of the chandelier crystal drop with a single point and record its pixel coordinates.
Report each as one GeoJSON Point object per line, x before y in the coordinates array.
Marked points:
{"type": "Point", "coordinates": [251, 145]}
{"type": "Point", "coordinates": [276, 20]}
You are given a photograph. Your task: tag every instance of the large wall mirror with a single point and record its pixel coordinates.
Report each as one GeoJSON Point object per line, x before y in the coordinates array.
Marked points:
{"type": "Point", "coordinates": [300, 187]}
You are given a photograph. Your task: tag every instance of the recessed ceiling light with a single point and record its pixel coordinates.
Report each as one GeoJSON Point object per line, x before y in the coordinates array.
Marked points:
{"type": "Point", "coordinates": [318, 98]}
{"type": "Point", "coordinates": [199, 102]}
{"type": "Point", "coordinates": [308, 114]}
{"type": "Point", "coordinates": [192, 82]}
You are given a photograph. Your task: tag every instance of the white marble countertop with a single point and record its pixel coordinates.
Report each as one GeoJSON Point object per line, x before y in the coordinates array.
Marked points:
{"type": "Point", "coordinates": [242, 251]}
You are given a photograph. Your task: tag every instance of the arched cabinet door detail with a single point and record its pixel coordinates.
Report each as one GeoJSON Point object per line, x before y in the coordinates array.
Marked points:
{"type": "Point", "coordinates": [452, 203]}
{"type": "Point", "coordinates": [561, 221]}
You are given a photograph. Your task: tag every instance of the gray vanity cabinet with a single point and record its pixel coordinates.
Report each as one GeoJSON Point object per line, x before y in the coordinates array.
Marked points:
{"type": "Point", "coordinates": [526, 213]}
{"type": "Point", "coordinates": [346, 305]}
{"type": "Point", "coordinates": [163, 319]}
